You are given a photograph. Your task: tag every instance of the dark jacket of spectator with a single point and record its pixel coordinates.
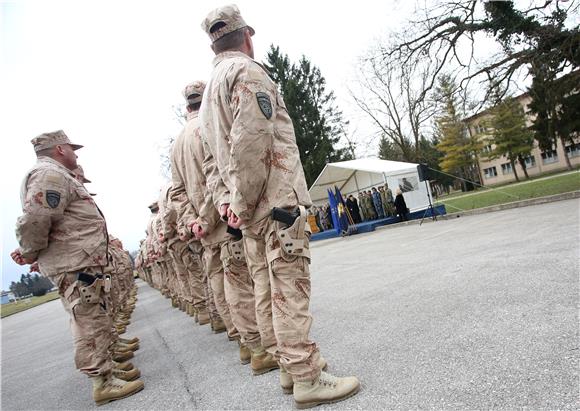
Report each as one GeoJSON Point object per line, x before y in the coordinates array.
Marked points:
{"type": "Point", "coordinates": [352, 206]}
{"type": "Point", "coordinates": [401, 206]}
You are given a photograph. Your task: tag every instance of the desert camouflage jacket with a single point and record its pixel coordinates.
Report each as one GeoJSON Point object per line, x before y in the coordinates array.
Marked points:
{"type": "Point", "coordinates": [61, 226]}
{"type": "Point", "coordinates": [246, 126]}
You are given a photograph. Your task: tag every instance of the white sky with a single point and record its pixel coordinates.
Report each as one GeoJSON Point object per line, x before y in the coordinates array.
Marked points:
{"type": "Point", "coordinates": [109, 72]}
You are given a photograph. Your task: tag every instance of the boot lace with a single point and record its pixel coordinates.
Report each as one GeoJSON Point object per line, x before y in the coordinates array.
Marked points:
{"type": "Point", "coordinates": [328, 380]}
{"type": "Point", "coordinates": [114, 382]}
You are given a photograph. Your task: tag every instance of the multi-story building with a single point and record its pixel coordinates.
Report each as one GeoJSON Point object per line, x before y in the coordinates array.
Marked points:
{"type": "Point", "coordinates": [500, 170]}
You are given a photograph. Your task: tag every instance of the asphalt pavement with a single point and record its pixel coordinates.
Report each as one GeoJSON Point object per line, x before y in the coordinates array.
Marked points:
{"type": "Point", "coordinates": [478, 312]}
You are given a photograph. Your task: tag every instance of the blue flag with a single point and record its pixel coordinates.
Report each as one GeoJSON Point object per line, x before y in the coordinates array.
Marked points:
{"type": "Point", "coordinates": [333, 211]}
{"type": "Point", "coordinates": [342, 210]}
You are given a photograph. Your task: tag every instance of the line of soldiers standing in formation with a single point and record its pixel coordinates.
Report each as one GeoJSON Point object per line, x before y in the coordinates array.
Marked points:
{"type": "Point", "coordinates": [235, 164]}
{"type": "Point", "coordinates": [228, 239]}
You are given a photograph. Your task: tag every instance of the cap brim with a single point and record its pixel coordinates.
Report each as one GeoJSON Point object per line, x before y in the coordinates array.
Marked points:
{"type": "Point", "coordinates": [76, 146]}
{"type": "Point", "coordinates": [252, 31]}
{"type": "Point", "coordinates": [86, 180]}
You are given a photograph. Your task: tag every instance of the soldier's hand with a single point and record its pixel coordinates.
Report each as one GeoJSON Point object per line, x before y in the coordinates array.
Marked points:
{"type": "Point", "coordinates": [18, 258]}
{"type": "Point", "coordinates": [197, 231]}
{"type": "Point", "coordinates": [182, 236]}
{"type": "Point", "coordinates": [161, 238]}
{"type": "Point", "coordinates": [224, 208]}
{"type": "Point", "coordinates": [233, 220]}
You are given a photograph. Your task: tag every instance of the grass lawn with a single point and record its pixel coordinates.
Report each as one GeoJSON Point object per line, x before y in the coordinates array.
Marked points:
{"type": "Point", "coordinates": [25, 304]}
{"type": "Point", "coordinates": [540, 188]}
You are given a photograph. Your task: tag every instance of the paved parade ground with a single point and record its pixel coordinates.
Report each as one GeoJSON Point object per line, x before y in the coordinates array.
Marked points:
{"type": "Point", "coordinates": [476, 312]}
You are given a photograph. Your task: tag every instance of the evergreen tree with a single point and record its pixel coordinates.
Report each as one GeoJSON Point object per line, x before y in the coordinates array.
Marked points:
{"type": "Point", "coordinates": [389, 151]}
{"type": "Point", "coordinates": [510, 137]}
{"type": "Point", "coordinates": [19, 289]}
{"type": "Point", "coordinates": [318, 124]}
{"type": "Point", "coordinates": [556, 107]}
{"type": "Point", "coordinates": [458, 147]}
{"type": "Point", "coordinates": [28, 284]}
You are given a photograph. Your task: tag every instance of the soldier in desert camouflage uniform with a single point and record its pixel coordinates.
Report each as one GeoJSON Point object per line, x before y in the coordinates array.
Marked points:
{"type": "Point", "coordinates": [63, 230]}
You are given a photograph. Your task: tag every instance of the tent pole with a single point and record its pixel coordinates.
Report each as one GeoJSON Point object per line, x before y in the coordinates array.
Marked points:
{"type": "Point", "coordinates": [356, 184]}
{"type": "Point", "coordinates": [347, 180]}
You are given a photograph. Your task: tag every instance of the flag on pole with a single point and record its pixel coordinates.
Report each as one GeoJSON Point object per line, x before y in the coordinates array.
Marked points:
{"type": "Point", "coordinates": [333, 210]}
{"type": "Point", "coordinates": [342, 210]}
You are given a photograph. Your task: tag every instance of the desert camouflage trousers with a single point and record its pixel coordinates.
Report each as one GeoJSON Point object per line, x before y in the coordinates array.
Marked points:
{"type": "Point", "coordinates": [239, 292]}
{"type": "Point", "coordinates": [192, 257]}
{"type": "Point", "coordinates": [282, 293]}
{"type": "Point", "coordinates": [175, 251]}
{"type": "Point", "coordinates": [90, 324]}
{"type": "Point", "coordinates": [215, 275]}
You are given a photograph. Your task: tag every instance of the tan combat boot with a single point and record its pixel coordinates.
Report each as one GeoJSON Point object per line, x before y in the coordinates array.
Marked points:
{"type": "Point", "coordinates": [218, 326]}
{"type": "Point", "coordinates": [262, 361]}
{"type": "Point", "coordinates": [127, 375]}
{"type": "Point", "coordinates": [326, 389]}
{"type": "Point", "coordinates": [108, 388]}
{"type": "Point", "coordinates": [245, 354]}
{"type": "Point", "coordinates": [189, 309]}
{"type": "Point", "coordinates": [122, 356]}
{"type": "Point", "coordinates": [122, 322]}
{"type": "Point", "coordinates": [125, 366]}
{"type": "Point", "coordinates": [128, 340]}
{"type": "Point", "coordinates": [203, 317]}
{"type": "Point", "coordinates": [286, 381]}
{"type": "Point", "coordinates": [122, 347]}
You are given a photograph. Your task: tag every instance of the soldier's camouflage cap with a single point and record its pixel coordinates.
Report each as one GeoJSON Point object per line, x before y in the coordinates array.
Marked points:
{"type": "Point", "coordinates": [228, 15]}
{"type": "Point", "coordinates": [193, 92]}
{"type": "Point", "coordinates": [81, 173]}
{"type": "Point", "coordinates": [54, 138]}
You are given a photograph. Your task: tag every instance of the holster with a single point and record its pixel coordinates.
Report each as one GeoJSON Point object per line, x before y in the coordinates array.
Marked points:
{"type": "Point", "coordinates": [233, 251]}
{"type": "Point", "coordinates": [89, 286]}
{"type": "Point", "coordinates": [293, 240]}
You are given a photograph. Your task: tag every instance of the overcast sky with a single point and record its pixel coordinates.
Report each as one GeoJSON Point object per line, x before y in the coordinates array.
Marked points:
{"type": "Point", "coordinates": [110, 73]}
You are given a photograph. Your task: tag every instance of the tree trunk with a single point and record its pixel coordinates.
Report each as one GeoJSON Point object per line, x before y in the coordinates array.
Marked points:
{"type": "Point", "coordinates": [568, 164]}
{"type": "Point", "coordinates": [513, 163]}
{"type": "Point", "coordinates": [523, 164]}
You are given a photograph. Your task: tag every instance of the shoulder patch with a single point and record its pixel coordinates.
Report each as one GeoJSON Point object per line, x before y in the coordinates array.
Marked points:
{"type": "Point", "coordinates": [52, 198]}
{"type": "Point", "coordinates": [265, 104]}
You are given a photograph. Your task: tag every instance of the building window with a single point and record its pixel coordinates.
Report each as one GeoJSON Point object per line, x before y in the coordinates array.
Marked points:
{"type": "Point", "coordinates": [480, 129]}
{"type": "Point", "coordinates": [506, 168]}
{"type": "Point", "coordinates": [530, 161]}
{"type": "Point", "coordinates": [490, 172]}
{"type": "Point", "coordinates": [549, 157]}
{"type": "Point", "coordinates": [573, 150]}
{"type": "Point", "coordinates": [486, 149]}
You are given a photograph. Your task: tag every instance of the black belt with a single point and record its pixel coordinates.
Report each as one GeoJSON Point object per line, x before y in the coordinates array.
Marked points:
{"type": "Point", "coordinates": [88, 278]}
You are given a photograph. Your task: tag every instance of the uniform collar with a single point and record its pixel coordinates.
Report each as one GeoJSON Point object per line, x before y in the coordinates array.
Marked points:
{"type": "Point", "coordinates": [236, 54]}
{"type": "Point", "coordinates": [192, 115]}
{"type": "Point", "coordinates": [228, 55]}
{"type": "Point", "coordinates": [44, 159]}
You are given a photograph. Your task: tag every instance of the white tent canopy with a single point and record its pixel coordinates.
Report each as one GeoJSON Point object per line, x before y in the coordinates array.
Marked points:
{"type": "Point", "coordinates": [362, 174]}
